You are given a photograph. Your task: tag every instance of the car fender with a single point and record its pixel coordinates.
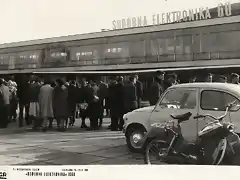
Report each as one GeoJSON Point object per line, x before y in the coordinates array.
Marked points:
{"type": "Point", "coordinates": [136, 118]}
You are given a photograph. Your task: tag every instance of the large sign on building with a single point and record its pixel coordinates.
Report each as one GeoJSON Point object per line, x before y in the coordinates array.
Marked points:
{"type": "Point", "coordinates": [223, 10]}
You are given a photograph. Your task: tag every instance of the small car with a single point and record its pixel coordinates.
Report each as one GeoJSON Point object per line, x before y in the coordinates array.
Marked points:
{"type": "Point", "coordinates": [197, 98]}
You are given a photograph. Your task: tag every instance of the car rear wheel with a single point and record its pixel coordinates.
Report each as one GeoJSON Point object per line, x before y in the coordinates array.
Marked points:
{"type": "Point", "coordinates": [135, 139]}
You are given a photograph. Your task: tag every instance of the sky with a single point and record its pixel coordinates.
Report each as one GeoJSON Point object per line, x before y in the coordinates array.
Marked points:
{"type": "Point", "coordinates": [37, 19]}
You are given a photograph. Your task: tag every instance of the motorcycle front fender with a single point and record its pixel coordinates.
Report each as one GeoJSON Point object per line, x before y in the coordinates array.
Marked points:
{"type": "Point", "coordinates": [156, 132]}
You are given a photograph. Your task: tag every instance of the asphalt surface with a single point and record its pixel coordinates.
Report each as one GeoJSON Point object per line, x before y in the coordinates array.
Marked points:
{"type": "Point", "coordinates": [73, 147]}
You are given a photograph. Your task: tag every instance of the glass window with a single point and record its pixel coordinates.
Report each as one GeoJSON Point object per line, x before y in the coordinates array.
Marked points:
{"type": "Point", "coordinates": [117, 50]}
{"type": "Point", "coordinates": [57, 55]}
{"type": "Point", "coordinates": [170, 44]}
{"type": "Point", "coordinates": [221, 41]}
{"type": "Point", "coordinates": [216, 100]}
{"type": "Point", "coordinates": [179, 45]}
{"type": "Point", "coordinates": [4, 59]}
{"type": "Point", "coordinates": [154, 47]}
{"type": "Point", "coordinates": [91, 53]}
{"type": "Point", "coordinates": [162, 46]}
{"type": "Point", "coordinates": [26, 59]}
{"type": "Point", "coordinates": [187, 44]}
{"type": "Point", "coordinates": [179, 99]}
{"type": "Point", "coordinates": [137, 49]}
{"type": "Point", "coordinates": [158, 47]}
{"type": "Point", "coordinates": [197, 43]}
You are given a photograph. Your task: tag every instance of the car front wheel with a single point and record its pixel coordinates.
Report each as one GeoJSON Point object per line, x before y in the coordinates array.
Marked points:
{"type": "Point", "coordinates": [135, 139]}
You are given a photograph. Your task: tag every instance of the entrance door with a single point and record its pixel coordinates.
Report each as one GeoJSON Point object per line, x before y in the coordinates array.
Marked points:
{"type": "Point", "coordinates": [178, 101]}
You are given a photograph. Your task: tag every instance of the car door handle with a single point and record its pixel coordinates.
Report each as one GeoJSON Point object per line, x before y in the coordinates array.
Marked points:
{"type": "Point", "coordinates": [156, 110]}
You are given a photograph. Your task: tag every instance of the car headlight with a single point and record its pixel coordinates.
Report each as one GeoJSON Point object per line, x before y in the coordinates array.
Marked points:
{"type": "Point", "coordinates": [125, 117]}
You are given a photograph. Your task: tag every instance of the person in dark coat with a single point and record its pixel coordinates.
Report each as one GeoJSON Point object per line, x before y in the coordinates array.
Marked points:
{"type": "Point", "coordinates": [94, 106]}
{"type": "Point", "coordinates": [156, 88]}
{"type": "Point", "coordinates": [139, 86]}
{"type": "Point", "coordinates": [112, 103]}
{"type": "Point", "coordinates": [4, 104]}
{"type": "Point", "coordinates": [72, 100]}
{"type": "Point", "coordinates": [60, 103]}
{"type": "Point", "coordinates": [102, 94]}
{"type": "Point", "coordinates": [130, 95]}
{"type": "Point", "coordinates": [84, 100]}
{"type": "Point", "coordinates": [120, 102]}
{"type": "Point", "coordinates": [23, 97]}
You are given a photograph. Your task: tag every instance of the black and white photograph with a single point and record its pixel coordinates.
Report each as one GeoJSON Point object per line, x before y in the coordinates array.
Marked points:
{"type": "Point", "coordinates": [120, 82]}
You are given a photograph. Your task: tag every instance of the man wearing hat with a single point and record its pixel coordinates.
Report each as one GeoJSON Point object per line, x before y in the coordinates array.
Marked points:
{"type": "Point", "coordinates": [222, 79]}
{"type": "Point", "coordinates": [235, 78]}
{"type": "Point", "coordinates": [156, 88]}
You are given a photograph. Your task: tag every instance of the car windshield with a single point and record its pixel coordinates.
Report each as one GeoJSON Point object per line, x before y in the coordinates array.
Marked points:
{"type": "Point", "coordinates": [179, 98]}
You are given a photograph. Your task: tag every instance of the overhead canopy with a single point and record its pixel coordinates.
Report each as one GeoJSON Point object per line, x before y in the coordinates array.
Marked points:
{"type": "Point", "coordinates": [137, 71]}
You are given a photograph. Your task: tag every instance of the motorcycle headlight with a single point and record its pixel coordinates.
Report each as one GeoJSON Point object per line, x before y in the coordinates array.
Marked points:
{"type": "Point", "coordinates": [230, 127]}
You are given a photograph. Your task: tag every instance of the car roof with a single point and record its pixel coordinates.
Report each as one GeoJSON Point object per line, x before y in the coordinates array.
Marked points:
{"type": "Point", "coordinates": [233, 88]}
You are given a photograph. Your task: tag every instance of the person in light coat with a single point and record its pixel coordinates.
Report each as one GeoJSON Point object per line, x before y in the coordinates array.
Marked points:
{"type": "Point", "coordinates": [45, 103]}
{"type": "Point", "coordinates": [13, 100]}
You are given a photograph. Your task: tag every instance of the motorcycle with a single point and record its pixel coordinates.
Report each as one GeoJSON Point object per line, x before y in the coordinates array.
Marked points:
{"type": "Point", "coordinates": [214, 146]}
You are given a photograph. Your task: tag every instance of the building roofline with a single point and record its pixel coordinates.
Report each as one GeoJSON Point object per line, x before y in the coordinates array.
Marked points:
{"type": "Point", "coordinates": [139, 30]}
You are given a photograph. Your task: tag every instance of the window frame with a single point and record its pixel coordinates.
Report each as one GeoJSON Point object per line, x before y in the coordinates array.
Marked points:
{"type": "Point", "coordinates": [216, 90]}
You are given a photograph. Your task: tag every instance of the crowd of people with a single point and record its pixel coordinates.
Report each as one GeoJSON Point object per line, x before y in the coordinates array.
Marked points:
{"type": "Point", "coordinates": [44, 101]}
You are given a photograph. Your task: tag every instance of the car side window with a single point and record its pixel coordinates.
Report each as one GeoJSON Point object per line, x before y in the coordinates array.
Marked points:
{"type": "Point", "coordinates": [216, 100]}
{"type": "Point", "coordinates": [179, 99]}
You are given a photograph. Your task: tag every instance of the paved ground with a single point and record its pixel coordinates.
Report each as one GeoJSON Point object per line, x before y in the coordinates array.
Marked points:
{"type": "Point", "coordinates": [74, 147]}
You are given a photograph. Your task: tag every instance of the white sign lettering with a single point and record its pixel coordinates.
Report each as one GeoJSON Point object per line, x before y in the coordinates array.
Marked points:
{"type": "Point", "coordinates": [223, 10]}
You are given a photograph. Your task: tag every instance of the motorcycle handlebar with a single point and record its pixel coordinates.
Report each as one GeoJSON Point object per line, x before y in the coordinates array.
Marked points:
{"type": "Point", "coordinates": [211, 116]}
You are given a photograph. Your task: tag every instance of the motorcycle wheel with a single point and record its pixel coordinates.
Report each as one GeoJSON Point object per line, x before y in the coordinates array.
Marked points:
{"type": "Point", "coordinates": [219, 152]}
{"type": "Point", "coordinates": [155, 152]}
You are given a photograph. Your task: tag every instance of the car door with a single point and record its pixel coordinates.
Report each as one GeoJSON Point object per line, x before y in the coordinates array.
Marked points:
{"type": "Point", "coordinates": [178, 101]}
{"type": "Point", "coordinates": [214, 102]}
